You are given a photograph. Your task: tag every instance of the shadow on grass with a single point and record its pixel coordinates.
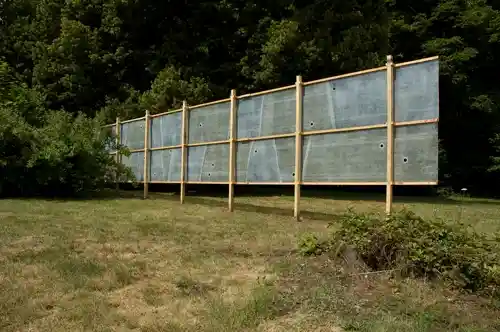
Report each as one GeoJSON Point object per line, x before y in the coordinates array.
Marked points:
{"type": "Point", "coordinates": [408, 195]}
{"type": "Point", "coordinates": [271, 210]}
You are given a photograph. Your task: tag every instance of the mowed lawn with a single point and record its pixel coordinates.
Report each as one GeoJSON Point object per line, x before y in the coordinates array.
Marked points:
{"type": "Point", "coordinates": [127, 264]}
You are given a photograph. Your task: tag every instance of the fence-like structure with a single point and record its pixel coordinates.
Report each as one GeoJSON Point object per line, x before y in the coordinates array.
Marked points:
{"type": "Point", "coordinates": [373, 127]}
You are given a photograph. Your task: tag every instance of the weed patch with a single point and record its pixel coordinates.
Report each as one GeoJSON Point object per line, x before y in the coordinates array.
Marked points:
{"type": "Point", "coordinates": [429, 248]}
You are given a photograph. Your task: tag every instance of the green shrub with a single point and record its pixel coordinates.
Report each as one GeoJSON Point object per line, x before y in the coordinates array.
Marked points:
{"type": "Point", "coordinates": [50, 152]}
{"type": "Point", "coordinates": [310, 245]}
{"type": "Point", "coordinates": [430, 248]}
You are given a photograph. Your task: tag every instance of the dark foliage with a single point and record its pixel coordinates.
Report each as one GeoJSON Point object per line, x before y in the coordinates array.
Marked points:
{"type": "Point", "coordinates": [119, 57]}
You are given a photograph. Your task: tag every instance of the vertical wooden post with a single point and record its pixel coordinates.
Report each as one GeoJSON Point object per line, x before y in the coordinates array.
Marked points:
{"type": "Point", "coordinates": [232, 148]}
{"type": "Point", "coordinates": [184, 129]}
{"type": "Point", "coordinates": [298, 146]}
{"type": "Point", "coordinates": [390, 134]}
{"type": "Point", "coordinates": [118, 141]}
{"type": "Point", "coordinates": [147, 123]}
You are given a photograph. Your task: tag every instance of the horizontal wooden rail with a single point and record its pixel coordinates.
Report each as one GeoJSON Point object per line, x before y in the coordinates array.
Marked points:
{"type": "Point", "coordinates": [304, 183]}
{"type": "Point", "coordinates": [191, 145]}
{"type": "Point", "coordinates": [415, 122]}
{"type": "Point", "coordinates": [357, 73]}
{"type": "Point", "coordinates": [260, 93]}
{"type": "Point", "coordinates": [342, 130]}
{"type": "Point", "coordinates": [262, 183]}
{"type": "Point", "coordinates": [414, 62]}
{"type": "Point", "coordinates": [136, 150]}
{"type": "Point", "coordinates": [210, 104]}
{"type": "Point", "coordinates": [165, 113]}
{"type": "Point", "coordinates": [416, 183]}
{"type": "Point", "coordinates": [263, 138]}
{"type": "Point", "coordinates": [361, 183]}
{"type": "Point", "coordinates": [132, 120]}
{"type": "Point", "coordinates": [171, 147]}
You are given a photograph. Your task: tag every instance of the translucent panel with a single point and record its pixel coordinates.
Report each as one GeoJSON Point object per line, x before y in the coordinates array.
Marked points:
{"type": "Point", "coordinates": [208, 163]}
{"type": "Point", "coordinates": [266, 161]}
{"type": "Point", "coordinates": [345, 157]}
{"type": "Point", "coordinates": [416, 92]}
{"type": "Point", "coordinates": [209, 123]}
{"type": "Point", "coordinates": [268, 114]}
{"type": "Point", "coordinates": [132, 134]}
{"type": "Point", "coordinates": [347, 102]}
{"type": "Point", "coordinates": [416, 153]}
{"type": "Point", "coordinates": [166, 165]}
{"type": "Point", "coordinates": [166, 130]}
{"type": "Point", "coordinates": [136, 162]}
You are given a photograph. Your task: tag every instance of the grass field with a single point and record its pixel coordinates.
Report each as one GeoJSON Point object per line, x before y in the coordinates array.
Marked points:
{"type": "Point", "coordinates": [127, 264]}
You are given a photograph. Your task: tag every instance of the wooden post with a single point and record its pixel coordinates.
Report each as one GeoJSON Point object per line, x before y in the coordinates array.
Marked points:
{"type": "Point", "coordinates": [118, 141]}
{"type": "Point", "coordinates": [232, 148]}
{"type": "Point", "coordinates": [298, 146]}
{"type": "Point", "coordinates": [184, 129]}
{"type": "Point", "coordinates": [390, 135]}
{"type": "Point", "coordinates": [147, 123]}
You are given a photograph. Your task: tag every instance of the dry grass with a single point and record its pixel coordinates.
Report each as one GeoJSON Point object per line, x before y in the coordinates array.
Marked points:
{"type": "Point", "coordinates": [126, 264]}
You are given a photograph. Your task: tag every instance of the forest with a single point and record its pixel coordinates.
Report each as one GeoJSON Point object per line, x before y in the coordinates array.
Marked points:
{"type": "Point", "coordinates": [69, 66]}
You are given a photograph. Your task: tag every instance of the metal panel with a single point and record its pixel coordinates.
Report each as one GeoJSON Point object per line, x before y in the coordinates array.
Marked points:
{"type": "Point", "coordinates": [268, 114]}
{"type": "Point", "coordinates": [266, 161]}
{"type": "Point", "coordinates": [209, 123]}
{"type": "Point", "coordinates": [416, 153]}
{"type": "Point", "coordinates": [166, 130]}
{"type": "Point", "coordinates": [208, 163]}
{"type": "Point", "coordinates": [166, 165]}
{"type": "Point", "coordinates": [136, 162]}
{"type": "Point", "coordinates": [347, 102]}
{"type": "Point", "coordinates": [346, 157]}
{"type": "Point", "coordinates": [416, 92]}
{"type": "Point", "coordinates": [132, 134]}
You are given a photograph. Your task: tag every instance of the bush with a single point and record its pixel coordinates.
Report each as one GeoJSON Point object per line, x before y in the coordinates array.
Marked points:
{"type": "Point", "coordinates": [430, 248]}
{"type": "Point", "coordinates": [63, 156]}
{"type": "Point", "coordinates": [50, 152]}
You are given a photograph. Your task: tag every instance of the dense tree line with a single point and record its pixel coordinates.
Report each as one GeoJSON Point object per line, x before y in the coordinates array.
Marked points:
{"type": "Point", "coordinates": [66, 62]}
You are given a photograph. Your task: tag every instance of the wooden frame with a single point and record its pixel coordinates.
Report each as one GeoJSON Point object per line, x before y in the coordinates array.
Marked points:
{"type": "Point", "coordinates": [232, 148]}
{"type": "Point", "coordinates": [298, 134]}
{"type": "Point", "coordinates": [147, 125]}
{"type": "Point", "coordinates": [184, 138]}
{"type": "Point", "coordinates": [298, 146]}
{"type": "Point", "coordinates": [118, 142]}
{"type": "Point", "coordinates": [390, 135]}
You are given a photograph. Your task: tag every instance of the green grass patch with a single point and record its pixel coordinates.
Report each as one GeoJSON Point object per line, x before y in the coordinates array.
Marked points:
{"type": "Point", "coordinates": [128, 264]}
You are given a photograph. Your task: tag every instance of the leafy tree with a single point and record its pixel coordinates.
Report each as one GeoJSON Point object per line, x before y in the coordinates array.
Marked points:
{"type": "Point", "coordinates": [119, 57]}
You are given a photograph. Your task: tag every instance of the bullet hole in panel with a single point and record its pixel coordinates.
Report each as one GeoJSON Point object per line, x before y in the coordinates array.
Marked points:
{"type": "Point", "coordinates": [405, 160]}
{"type": "Point", "coordinates": [312, 124]}
{"type": "Point", "coordinates": [382, 145]}
{"type": "Point", "coordinates": [209, 174]}
{"type": "Point", "coordinates": [293, 174]}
